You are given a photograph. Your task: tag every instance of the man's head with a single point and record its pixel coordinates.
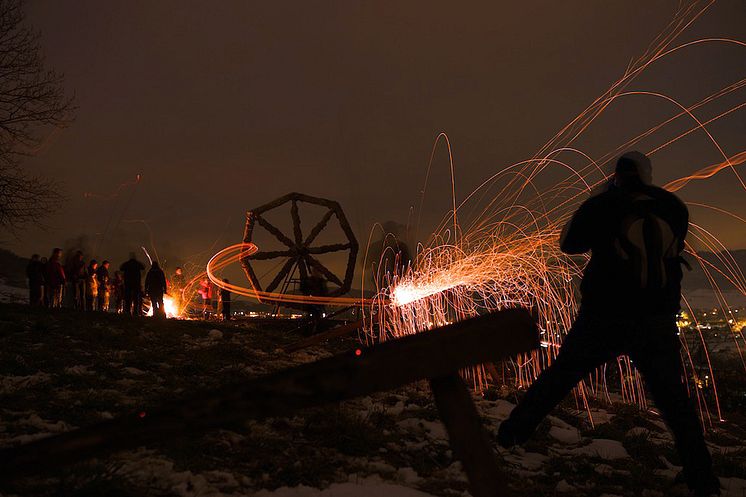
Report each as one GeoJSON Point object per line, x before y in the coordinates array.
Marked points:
{"type": "Point", "coordinates": [179, 270]}
{"type": "Point", "coordinates": [105, 264]}
{"type": "Point", "coordinates": [633, 169]}
{"type": "Point", "coordinates": [94, 263]}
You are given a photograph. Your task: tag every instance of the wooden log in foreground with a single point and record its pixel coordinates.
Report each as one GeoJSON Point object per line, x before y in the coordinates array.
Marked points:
{"type": "Point", "coordinates": [467, 437]}
{"type": "Point", "coordinates": [339, 331]}
{"type": "Point", "coordinates": [433, 354]}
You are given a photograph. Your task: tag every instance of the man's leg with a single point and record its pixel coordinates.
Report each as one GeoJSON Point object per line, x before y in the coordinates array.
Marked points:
{"type": "Point", "coordinates": [659, 361]}
{"type": "Point", "coordinates": [138, 302]}
{"type": "Point", "coordinates": [128, 301]}
{"type": "Point", "coordinates": [585, 348]}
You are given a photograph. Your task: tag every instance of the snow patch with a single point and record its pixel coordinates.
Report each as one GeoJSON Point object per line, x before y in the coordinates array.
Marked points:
{"type": "Point", "coordinates": [568, 435]}
{"type": "Point", "coordinates": [345, 490]}
{"type": "Point", "coordinates": [79, 370]}
{"type": "Point", "coordinates": [500, 410]}
{"type": "Point", "coordinates": [10, 384]}
{"type": "Point", "coordinates": [133, 371]}
{"type": "Point", "coordinates": [563, 486]}
{"type": "Point", "coordinates": [602, 448]}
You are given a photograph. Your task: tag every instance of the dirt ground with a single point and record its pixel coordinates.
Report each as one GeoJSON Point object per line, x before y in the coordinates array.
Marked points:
{"type": "Point", "coordinates": [62, 370]}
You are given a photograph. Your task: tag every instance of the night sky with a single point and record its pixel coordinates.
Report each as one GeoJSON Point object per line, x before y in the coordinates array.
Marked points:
{"type": "Point", "coordinates": [226, 106]}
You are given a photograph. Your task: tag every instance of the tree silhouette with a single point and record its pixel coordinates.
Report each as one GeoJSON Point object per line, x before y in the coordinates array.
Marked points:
{"type": "Point", "coordinates": [32, 99]}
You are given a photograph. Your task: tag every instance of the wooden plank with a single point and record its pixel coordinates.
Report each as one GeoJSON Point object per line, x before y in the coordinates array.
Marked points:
{"type": "Point", "coordinates": [467, 437]}
{"type": "Point", "coordinates": [357, 373]}
{"type": "Point", "coordinates": [339, 331]}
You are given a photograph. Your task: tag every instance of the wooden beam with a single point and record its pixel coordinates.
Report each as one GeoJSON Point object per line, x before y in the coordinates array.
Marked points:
{"type": "Point", "coordinates": [339, 331]}
{"type": "Point", "coordinates": [364, 371]}
{"type": "Point", "coordinates": [467, 437]}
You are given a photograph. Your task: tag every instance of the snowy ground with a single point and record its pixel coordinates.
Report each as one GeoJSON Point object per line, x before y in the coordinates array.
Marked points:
{"type": "Point", "coordinates": [12, 294]}
{"type": "Point", "coordinates": [64, 370]}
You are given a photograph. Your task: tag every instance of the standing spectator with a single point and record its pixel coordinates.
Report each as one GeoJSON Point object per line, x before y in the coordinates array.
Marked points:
{"type": "Point", "coordinates": [102, 277]}
{"type": "Point", "coordinates": [155, 287]}
{"type": "Point", "coordinates": [91, 287]}
{"type": "Point", "coordinates": [117, 291]}
{"type": "Point", "coordinates": [55, 278]}
{"type": "Point", "coordinates": [314, 285]}
{"type": "Point", "coordinates": [225, 299]}
{"type": "Point", "coordinates": [205, 293]}
{"type": "Point", "coordinates": [176, 287]}
{"type": "Point", "coordinates": [35, 275]}
{"type": "Point", "coordinates": [76, 275]}
{"type": "Point", "coordinates": [177, 280]}
{"type": "Point", "coordinates": [132, 270]}
{"type": "Point", "coordinates": [45, 290]}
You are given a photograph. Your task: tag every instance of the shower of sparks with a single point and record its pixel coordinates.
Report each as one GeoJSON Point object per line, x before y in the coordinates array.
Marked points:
{"type": "Point", "coordinates": [508, 254]}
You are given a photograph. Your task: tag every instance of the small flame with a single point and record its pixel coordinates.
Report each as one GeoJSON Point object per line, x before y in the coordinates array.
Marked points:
{"type": "Point", "coordinates": [170, 305]}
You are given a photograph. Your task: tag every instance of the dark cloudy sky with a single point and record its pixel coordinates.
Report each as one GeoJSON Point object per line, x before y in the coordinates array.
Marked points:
{"type": "Point", "coordinates": [222, 106]}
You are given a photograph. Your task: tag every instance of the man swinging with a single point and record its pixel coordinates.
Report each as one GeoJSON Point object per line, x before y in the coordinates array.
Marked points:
{"type": "Point", "coordinates": [630, 297]}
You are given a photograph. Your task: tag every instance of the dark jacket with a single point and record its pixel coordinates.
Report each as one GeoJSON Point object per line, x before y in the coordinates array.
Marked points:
{"type": "Point", "coordinates": [102, 275]}
{"type": "Point", "coordinates": [54, 274]}
{"type": "Point", "coordinates": [35, 272]}
{"type": "Point", "coordinates": [225, 295]}
{"type": "Point", "coordinates": [76, 270]}
{"type": "Point", "coordinates": [155, 282]}
{"type": "Point", "coordinates": [132, 270]}
{"type": "Point", "coordinates": [636, 237]}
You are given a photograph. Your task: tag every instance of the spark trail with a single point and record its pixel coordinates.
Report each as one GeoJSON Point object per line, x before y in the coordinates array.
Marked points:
{"type": "Point", "coordinates": [498, 247]}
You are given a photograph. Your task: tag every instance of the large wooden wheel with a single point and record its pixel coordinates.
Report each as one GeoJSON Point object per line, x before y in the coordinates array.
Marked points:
{"type": "Point", "coordinates": [300, 250]}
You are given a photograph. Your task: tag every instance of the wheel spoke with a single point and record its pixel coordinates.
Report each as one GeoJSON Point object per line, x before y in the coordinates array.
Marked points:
{"type": "Point", "coordinates": [289, 265]}
{"type": "Point", "coordinates": [319, 226]}
{"type": "Point", "coordinates": [325, 249]}
{"type": "Point", "coordinates": [329, 275]}
{"type": "Point", "coordinates": [296, 223]}
{"type": "Point", "coordinates": [263, 256]}
{"type": "Point", "coordinates": [302, 269]}
{"type": "Point", "coordinates": [272, 229]}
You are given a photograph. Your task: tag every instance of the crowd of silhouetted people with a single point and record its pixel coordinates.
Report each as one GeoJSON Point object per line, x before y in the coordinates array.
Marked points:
{"type": "Point", "coordinates": [91, 286]}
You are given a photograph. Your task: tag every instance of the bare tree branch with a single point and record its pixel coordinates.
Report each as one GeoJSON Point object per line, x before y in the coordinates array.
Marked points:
{"type": "Point", "coordinates": [32, 99]}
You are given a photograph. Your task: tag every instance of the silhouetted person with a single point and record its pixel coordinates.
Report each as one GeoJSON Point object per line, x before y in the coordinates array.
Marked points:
{"type": "Point", "coordinates": [205, 293]}
{"type": "Point", "coordinates": [314, 285]}
{"type": "Point", "coordinates": [76, 275]}
{"type": "Point", "coordinates": [45, 291]}
{"type": "Point", "coordinates": [178, 282]}
{"type": "Point", "coordinates": [388, 256]}
{"type": "Point", "coordinates": [225, 300]}
{"type": "Point", "coordinates": [102, 277]}
{"type": "Point", "coordinates": [630, 296]}
{"type": "Point", "coordinates": [35, 275]}
{"type": "Point", "coordinates": [117, 291]}
{"type": "Point", "coordinates": [132, 273]}
{"type": "Point", "coordinates": [176, 286]}
{"type": "Point", "coordinates": [155, 288]}
{"type": "Point", "coordinates": [54, 276]}
{"type": "Point", "coordinates": [91, 286]}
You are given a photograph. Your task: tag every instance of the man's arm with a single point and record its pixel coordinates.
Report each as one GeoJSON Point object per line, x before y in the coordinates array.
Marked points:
{"type": "Point", "coordinates": [683, 226]}
{"type": "Point", "coordinates": [577, 235]}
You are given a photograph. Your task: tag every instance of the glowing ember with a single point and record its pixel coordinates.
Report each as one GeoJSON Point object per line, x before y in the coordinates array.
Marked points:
{"type": "Point", "coordinates": [407, 293]}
